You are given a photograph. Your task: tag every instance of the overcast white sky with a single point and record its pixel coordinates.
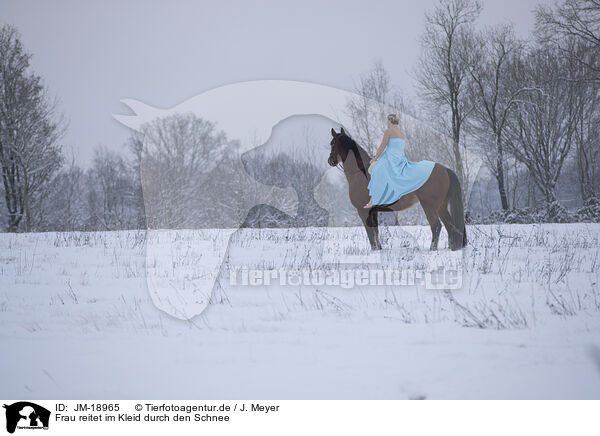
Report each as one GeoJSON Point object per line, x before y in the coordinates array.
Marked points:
{"type": "Point", "coordinates": [92, 54]}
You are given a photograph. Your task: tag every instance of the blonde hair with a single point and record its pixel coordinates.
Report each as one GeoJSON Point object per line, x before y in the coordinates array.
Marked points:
{"type": "Point", "coordinates": [393, 118]}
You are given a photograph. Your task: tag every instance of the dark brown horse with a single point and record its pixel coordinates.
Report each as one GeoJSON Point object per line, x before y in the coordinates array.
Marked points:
{"type": "Point", "coordinates": [440, 190]}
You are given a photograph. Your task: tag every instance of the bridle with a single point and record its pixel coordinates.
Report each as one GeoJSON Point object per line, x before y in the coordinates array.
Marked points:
{"type": "Point", "coordinates": [334, 146]}
{"type": "Point", "coordinates": [340, 163]}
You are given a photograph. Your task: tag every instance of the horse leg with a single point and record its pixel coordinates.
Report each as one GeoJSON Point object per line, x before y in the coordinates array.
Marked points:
{"type": "Point", "coordinates": [373, 222]}
{"type": "Point", "coordinates": [434, 223]}
{"type": "Point", "coordinates": [447, 220]}
{"type": "Point", "coordinates": [364, 215]}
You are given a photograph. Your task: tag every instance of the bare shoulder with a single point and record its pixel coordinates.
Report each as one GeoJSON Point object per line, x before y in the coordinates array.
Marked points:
{"type": "Point", "coordinates": [395, 132]}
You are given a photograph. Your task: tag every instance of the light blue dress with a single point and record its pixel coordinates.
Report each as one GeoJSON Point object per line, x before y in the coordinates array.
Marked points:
{"type": "Point", "coordinates": [394, 176]}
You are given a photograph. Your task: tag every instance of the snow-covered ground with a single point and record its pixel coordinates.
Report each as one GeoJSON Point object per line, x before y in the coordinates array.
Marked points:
{"type": "Point", "coordinates": [77, 319]}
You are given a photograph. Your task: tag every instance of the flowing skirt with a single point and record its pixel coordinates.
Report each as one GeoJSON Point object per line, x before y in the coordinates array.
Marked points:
{"type": "Point", "coordinates": [394, 176]}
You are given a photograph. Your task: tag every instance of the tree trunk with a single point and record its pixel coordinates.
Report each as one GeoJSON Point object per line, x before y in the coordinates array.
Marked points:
{"type": "Point", "coordinates": [13, 205]}
{"type": "Point", "coordinates": [586, 187]}
{"type": "Point", "coordinates": [500, 174]}
{"type": "Point", "coordinates": [552, 205]}
{"type": "Point", "coordinates": [26, 202]}
{"type": "Point", "coordinates": [456, 145]}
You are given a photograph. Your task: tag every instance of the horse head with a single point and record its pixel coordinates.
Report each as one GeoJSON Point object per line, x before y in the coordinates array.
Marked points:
{"type": "Point", "coordinates": [338, 153]}
{"type": "Point", "coordinates": [341, 146]}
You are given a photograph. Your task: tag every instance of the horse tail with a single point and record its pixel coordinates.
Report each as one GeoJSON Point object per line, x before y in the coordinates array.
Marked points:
{"type": "Point", "coordinates": [458, 233]}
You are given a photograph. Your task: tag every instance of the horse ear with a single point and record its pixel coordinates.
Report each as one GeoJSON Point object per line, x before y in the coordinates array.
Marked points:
{"type": "Point", "coordinates": [333, 133]}
{"type": "Point", "coordinates": [342, 131]}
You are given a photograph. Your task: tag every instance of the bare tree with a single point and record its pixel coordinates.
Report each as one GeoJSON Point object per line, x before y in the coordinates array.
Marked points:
{"type": "Point", "coordinates": [541, 133]}
{"type": "Point", "coordinates": [63, 205]}
{"type": "Point", "coordinates": [176, 156]}
{"type": "Point", "coordinates": [579, 19]}
{"type": "Point", "coordinates": [443, 69]}
{"type": "Point", "coordinates": [375, 96]}
{"type": "Point", "coordinates": [587, 138]}
{"type": "Point", "coordinates": [573, 27]}
{"type": "Point", "coordinates": [29, 132]}
{"type": "Point", "coordinates": [111, 192]}
{"type": "Point", "coordinates": [494, 94]}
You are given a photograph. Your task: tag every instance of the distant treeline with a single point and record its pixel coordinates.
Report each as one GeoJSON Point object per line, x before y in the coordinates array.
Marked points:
{"type": "Point", "coordinates": [528, 109]}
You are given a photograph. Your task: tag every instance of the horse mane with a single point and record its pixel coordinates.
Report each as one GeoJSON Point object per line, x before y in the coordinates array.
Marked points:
{"type": "Point", "coordinates": [350, 145]}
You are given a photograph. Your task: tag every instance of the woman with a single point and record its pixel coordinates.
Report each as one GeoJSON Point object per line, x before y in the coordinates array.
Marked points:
{"type": "Point", "coordinates": [392, 175]}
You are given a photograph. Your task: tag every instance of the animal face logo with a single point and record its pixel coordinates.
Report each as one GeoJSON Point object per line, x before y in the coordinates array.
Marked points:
{"type": "Point", "coordinates": [198, 193]}
{"type": "Point", "coordinates": [255, 179]}
{"type": "Point", "coordinates": [26, 415]}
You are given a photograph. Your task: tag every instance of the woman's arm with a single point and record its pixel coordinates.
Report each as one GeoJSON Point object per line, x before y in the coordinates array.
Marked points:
{"type": "Point", "coordinates": [381, 149]}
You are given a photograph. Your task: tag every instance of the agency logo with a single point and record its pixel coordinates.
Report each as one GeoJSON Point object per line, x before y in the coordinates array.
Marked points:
{"type": "Point", "coordinates": [267, 164]}
{"type": "Point", "coordinates": [26, 415]}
